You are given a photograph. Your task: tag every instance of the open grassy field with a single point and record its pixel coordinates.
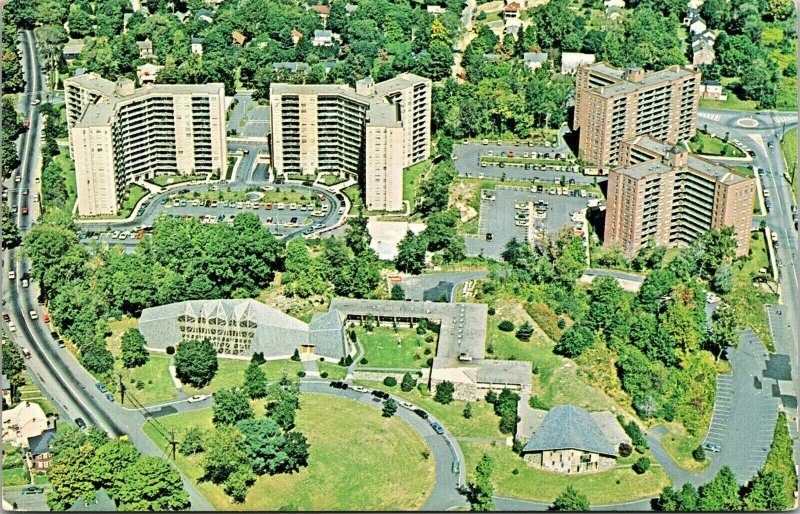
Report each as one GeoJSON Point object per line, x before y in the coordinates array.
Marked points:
{"type": "Point", "coordinates": [358, 461]}
{"type": "Point", "coordinates": [14, 470]}
{"type": "Point", "coordinates": [614, 486]}
{"type": "Point", "coordinates": [411, 179]}
{"type": "Point", "coordinates": [703, 143]}
{"type": "Point", "coordinates": [746, 298]}
{"type": "Point", "coordinates": [732, 103]}
{"type": "Point", "coordinates": [483, 423]}
{"type": "Point", "coordinates": [789, 149]}
{"type": "Point", "coordinates": [136, 193]}
{"type": "Point", "coordinates": [334, 371]}
{"type": "Point", "coordinates": [231, 374]}
{"type": "Point", "coordinates": [385, 348]}
{"type": "Point", "coordinates": [356, 199]}
{"type": "Point", "coordinates": [679, 446]}
{"type": "Point", "coordinates": [30, 392]}
{"type": "Point", "coordinates": [153, 378]}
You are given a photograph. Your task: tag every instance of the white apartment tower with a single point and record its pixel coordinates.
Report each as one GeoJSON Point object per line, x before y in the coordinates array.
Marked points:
{"type": "Point", "coordinates": [119, 134]}
{"type": "Point", "coordinates": [373, 131]}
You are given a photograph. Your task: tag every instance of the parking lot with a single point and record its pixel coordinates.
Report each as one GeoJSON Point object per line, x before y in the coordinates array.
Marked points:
{"type": "Point", "coordinates": [248, 119]}
{"type": "Point", "coordinates": [498, 217]}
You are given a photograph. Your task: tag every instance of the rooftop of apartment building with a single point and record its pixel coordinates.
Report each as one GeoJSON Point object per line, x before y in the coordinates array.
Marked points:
{"type": "Point", "coordinates": [661, 162]}
{"type": "Point", "coordinates": [631, 79]}
{"type": "Point", "coordinates": [281, 88]}
{"type": "Point", "coordinates": [101, 112]}
{"type": "Point", "coordinates": [402, 81]}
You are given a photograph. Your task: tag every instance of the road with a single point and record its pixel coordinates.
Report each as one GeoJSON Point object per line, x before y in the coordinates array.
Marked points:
{"type": "Point", "coordinates": [57, 372]}
{"type": "Point", "coordinates": [756, 130]}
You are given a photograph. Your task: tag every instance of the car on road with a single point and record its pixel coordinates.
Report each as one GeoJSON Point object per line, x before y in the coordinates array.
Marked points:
{"type": "Point", "coordinates": [340, 211]}
{"type": "Point", "coordinates": [6, 317]}
{"type": "Point", "coordinates": [712, 447]}
{"type": "Point", "coordinates": [489, 236]}
{"type": "Point", "coordinates": [360, 389]}
{"type": "Point", "coordinates": [46, 318]}
{"type": "Point", "coordinates": [80, 423]}
{"type": "Point", "coordinates": [779, 262]}
{"type": "Point", "coordinates": [766, 193]}
{"type": "Point", "coordinates": [32, 489]}
{"type": "Point", "coordinates": [100, 387]}
{"type": "Point", "coordinates": [407, 405]}
{"type": "Point", "coordinates": [768, 203]}
{"type": "Point", "coordinates": [33, 315]}
{"type": "Point", "coordinates": [35, 101]}
{"type": "Point", "coordinates": [12, 275]}
{"type": "Point", "coordinates": [421, 413]}
{"type": "Point", "coordinates": [109, 397]}
{"type": "Point", "coordinates": [24, 282]}
{"type": "Point", "coordinates": [771, 144]}
{"type": "Point", "coordinates": [437, 427]}
{"type": "Point", "coordinates": [795, 216]}
{"type": "Point", "coordinates": [24, 211]}
{"type": "Point", "coordinates": [61, 343]}
{"type": "Point", "coordinates": [197, 398]}
{"type": "Point", "coordinates": [12, 327]}
{"type": "Point", "coordinates": [762, 172]}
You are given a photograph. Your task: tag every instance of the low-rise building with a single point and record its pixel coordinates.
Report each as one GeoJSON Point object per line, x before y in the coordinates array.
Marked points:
{"type": "Point", "coordinates": [324, 38]}
{"type": "Point", "coordinates": [197, 45]}
{"type": "Point", "coordinates": [712, 90]}
{"type": "Point", "coordinates": [146, 73]}
{"type": "Point", "coordinates": [145, 49]}
{"type": "Point", "coordinates": [511, 10]}
{"type": "Point", "coordinates": [39, 450]}
{"type": "Point", "coordinates": [534, 60]}
{"type": "Point", "coordinates": [571, 60]}
{"type": "Point", "coordinates": [569, 441]}
{"type": "Point", "coordinates": [72, 50]}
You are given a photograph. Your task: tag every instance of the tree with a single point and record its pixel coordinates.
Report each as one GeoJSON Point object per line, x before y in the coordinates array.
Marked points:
{"type": "Point", "coordinates": [722, 493]}
{"type": "Point", "coordinates": [238, 483]}
{"type": "Point", "coordinates": [411, 254]}
{"type": "Point", "coordinates": [571, 501]}
{"type": "Point", "coordinates": [223, 453]}
{"type": "Point", "coordinates": [263, 444]}
{"type": "Point", "coordinates": [283, 400]}
{"type": "Point", "coordinates": [506, 407]}
{"type": "Point", "coordinates": [699, 454]}
{"type": "Point", "coordinates": [641, 465]}
{"type": "Point", "coordinates": [96, 358]}
{"type": "Point", "coordinates": [724, 332]}
{"type": "Point", "coordinates": [481, 490]}
{"type": "Point", "coordinates": [152, 484]}
{"type": "Point", "coordinates": [13, 365]}
{"type": "Point", "coordinates": [759, 82]}
{"type": "Point", "coordinates": [134, 351]}
{"type": "Point", "coordinates": [444, 392]}
{"type": "Point", "coordinates": [408, 383]}
{"type": "Point", "coordinates": [671, 500]}
{"type": "Point", "coordinates": [574, 341]}
{"type": "Point", "coordinates": [389, 408]}
{"type": "Point", "coordinates": [230, 406]}
{"type": "Point", "coordinates": [255, 381]}
{"type": "Point", "coordinates": [71, 477]}
{"type": "Point", "coordinates": [445, 147]}
{"type": "Point", "coordinates": [467, 410]}
{"type": "Point", "coordinates": [525, 332]}
{"type": "Point", "coordinates": [398, 293]}
{"type": "Point", "coordinates": [192, 441]}
{"type": "Point", "coordinates": [80, 22]}
{"type": "Point", "coordinates": [767, 492]}
{"type": "Point", "coordinates": [11, 234]}
{"type": "Point", "coordinates": [196, 362]}
{"type": "Point", "coordinates": [723, 279]}
{"type": "Point", "coordinates": [506, 326]}
{"type": "Point", "coordinates": [111, 462]}
{"type": "Point", "coordinates": [390, 381]}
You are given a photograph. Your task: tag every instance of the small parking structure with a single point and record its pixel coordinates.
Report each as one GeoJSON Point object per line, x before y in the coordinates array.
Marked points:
{"type": "Point", "coordinates": [497, 217]}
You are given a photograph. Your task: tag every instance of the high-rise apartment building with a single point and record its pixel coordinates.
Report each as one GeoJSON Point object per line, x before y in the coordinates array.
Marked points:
{"type": "Point", "coordinates": [118, 134]}
{"type": "Point", "coordinates": [613, 105]}
{"type": "Point", "coordinates": [373, 131]}
{"type": "Point", "coordinates": [663, 193]}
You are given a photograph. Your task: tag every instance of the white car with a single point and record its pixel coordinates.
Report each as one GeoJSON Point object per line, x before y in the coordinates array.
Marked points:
{"type": "Point", "coordinates": [407, 405]}
{"type": "Point", "coordinates": [34, 315]}
{"type": "Point", "coordinates": [12, 275]}
{"type": "Point", "coordinates": [36, 101]}
{"type": "Point", "coordinates": [12, 327]}
{"type": "Point", "coordinates": [360, 389]}
{"type": "Point", "coordinates": [340, 211]}
{"type": "Point", "coordinates": [197, 398]}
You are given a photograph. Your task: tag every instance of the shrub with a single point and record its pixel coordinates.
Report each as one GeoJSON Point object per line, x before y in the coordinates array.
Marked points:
{"type": "Point", "coordinates": [525, 332]}
{"type": "Point", "coordinates": [537, 403]}
{"type": "Point", "coordinates": [634, 432]}
{"type": "Point", "coordinates": [363, 361]}
{"type": "Point", "coordinates": [408, 383]}
{"type": "Point", "coordinates": [390, 381]}
{"type": "Point", "coordinates": [699, 454]}
{"type": "Point", "coordinates": [506, 326]}
{"type": "Point", "coordinates": [423, 389]}
{"type": "Point", "coordinates": [468, 410]}
{"type": "Point", "coordinates": [641, 466]}
{"type": "Point", "coordinates": [170, 350]}
{"type": "Point", "coordinates": [429, 362]}
{"type": "Point", "coordinates": [324, 374]}
{"type": "Point", "coordinates": [139, 385]}
{"type": "Point", "coordinates": [301, 373]}
{"type": "Point", "coordinates": [491, 311]}
{"type": "Point", "coordinates": [490, 348]}
{"type": "Point", "coordinates": [547, 319]}
{"type": "Point", "coordinates": [296, 355]}
{"type": "Point", "coordinates": [348, 360]}
{"type": "Point", "coordinates": [625, 450]}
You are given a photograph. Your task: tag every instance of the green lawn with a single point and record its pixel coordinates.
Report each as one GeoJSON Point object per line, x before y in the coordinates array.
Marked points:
{"type": "Point", "coordinates": [483, 423]}
{"type": "Point", "coordinates": [385, 348]}
{"type": "Point", "coordinates": [14, 470]}
{"type": "Point", "coordinates": [744, 170]}
{"type": "Point", "coordinates": [153, 377]}
{"type": "Point", "coordinates": [16, 476]}
{"type": "Point", "coordinates": [281, 194]}
{"type": "Point", "coordinates": [523, 160]}
{"type": "Point", "coordinates": [29, 392]}
{"type": "Point", "coordinates": [731, 103]}
{"type": "Point", "coordinates": [163, 180]}
{"type": "Point", "coordinates": [358, 461]}
{"type": "Point", "coordinates": [335, 372]}
{"type": "Point", "coordinates": [789, 148]}
{"type": "Point", "coordinates": [331, 180]}
{"type": "Point", "coordinates": [231, 374]}
{"type": "Point", "coordinates": [679, 446]}
{"type": "Point", "coordinates": [411, 178]}
{"type": "Point", "coordinates": [746, 298]}
{"type": "Point", "coordinates": [68, 172]}
{"type": "Point", "coordinates": [136, 193]}
{"type": "Point", "coordinates": [703, 143]}
{"type": "Point", "coordinates": [614, 486]}
{"type": "Point", "coordinates": [354, 194]}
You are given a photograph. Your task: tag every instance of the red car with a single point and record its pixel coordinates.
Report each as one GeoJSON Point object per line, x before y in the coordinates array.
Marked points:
{"type": "Point", "coordinates": [6, 318]}
{"type": "Point", "coordinates": [269, 206]}
{"type": "Point", "coordinates": [46, 318]}
{"type": "Point", "coordinates": [24, 211]}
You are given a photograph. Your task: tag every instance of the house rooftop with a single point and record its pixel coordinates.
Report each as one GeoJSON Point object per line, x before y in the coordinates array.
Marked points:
{"type": "Point", "coordinates": [40, 444]}
{"type": "Point", "coordinates": [569, 427]}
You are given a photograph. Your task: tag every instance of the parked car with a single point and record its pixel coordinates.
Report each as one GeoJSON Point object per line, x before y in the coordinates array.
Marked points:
{"type": "Point", "coordinates": [46, 317]}
{"type": "Point", "coordinates": [489, 236]}
{"type": "Point", "coordinates": [768, 203]}
{"type": "Point", "coordinates": [33, 314]}
{"type": "Point", "coordinates": [360, 389]}
{"type": "Point", "coordinates": [80, 423]}
{"type": "Point", "coordinates": [24, 211]}
{"type": "Point", "coordinates": [100, 387]}
{"type": "Point", "coordinates": [12, 327]}
{"type": "Point", "coordinates": [197, 398]}
{"type": "Point", "coordinates": [32, 489]}
{"type": "Point", "coordinates": [109, 397]}
{"type": "Point", "coordinates": [421, 413]}
{"type": "Point", "coordinates": [711, 447]}
{"type": "Point", "coordinates": [437, 427]}
{"type": "Point", "coordinates": [6, 317]}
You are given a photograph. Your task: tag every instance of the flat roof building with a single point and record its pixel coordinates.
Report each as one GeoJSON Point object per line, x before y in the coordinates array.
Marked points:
{"type": "Point", "coordinates": [119, 134]}
{"type": "Point", "coordinates": [664, 193]}
{"type": "Point", "coordinates": [373, 131]}
{"type": "Point", "coordinates": [613, 105]}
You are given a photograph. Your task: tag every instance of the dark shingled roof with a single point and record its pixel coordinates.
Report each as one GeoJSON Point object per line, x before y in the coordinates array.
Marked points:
{"type": "Point", "coordinates": [102, 503]}
{"type": "Point", "coordinates": [40, 444]}
{"type": "Point", "coordinates": [567, 426]}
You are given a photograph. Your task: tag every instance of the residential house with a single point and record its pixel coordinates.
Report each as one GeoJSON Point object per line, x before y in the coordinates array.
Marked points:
{"type": "Point", "coordinates": [350, 8]}
{"type": "Point", "coordinates": [145, 49]}
{"type": "Point", "coordinates": [569, 441]}
{"type": "Point", "coordinates": [619, 4]}
{"type": "Point", "coordinates": [146, 73]}
{"type": "Point", "coordinates": [613, 13]}
{"type": "Point", "coordinates": [238, 38]}
{"type": "Point", "coordinates": [324, 11]}
{"type": "Point", "coordinates": [697, 26]}
{"type": "Point", "coordinates": [71, 50]}
{"type": "Point", "coordinates": [702, 52]}
{"type": "Point", "coordinates": [197, 45]}
{"type": "Point", "coordinates": [712, 90]}
{"type": "Point", "coordinates": [436, 9]}
{"type": "Point", "coordinates": [39, 450]}
{"type": "Point", "coordinates": [292, 67]}
{"type": "Point", "coordinates": [25, 420]}
{"type": "Point", "coordinates": [512, 26]}
{"type": "Point", "coordinates": [571, 60]}
{"type": "Point", "coordinates": [511, 10]}
{"type": "Point", "coordinates": [534, 60]}
{"type": "Point", "coordinates": [102, 503]}
{"type": "Point", "coordinates": [324, 38]}
{"type": "Point", "coordinates": [205, 15]}
{"type": "Point", "coordinates": [181, 16]}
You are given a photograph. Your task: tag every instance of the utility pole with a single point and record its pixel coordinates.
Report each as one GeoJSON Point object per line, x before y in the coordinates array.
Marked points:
{"type": "Point", "coordinates": [121, 389]}
{"type": "Point", "coordinates": [173, 442]}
